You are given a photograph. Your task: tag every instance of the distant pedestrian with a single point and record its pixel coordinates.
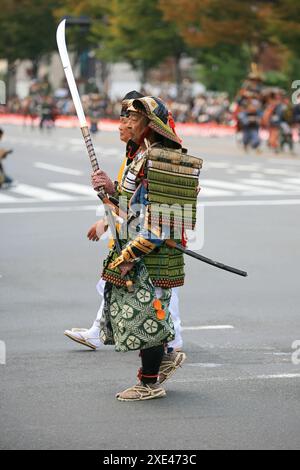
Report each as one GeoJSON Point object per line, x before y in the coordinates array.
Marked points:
{"type": "Point", "coordinates": [5, 181]}
{"type": "Point", "coordinates": [250, 119]}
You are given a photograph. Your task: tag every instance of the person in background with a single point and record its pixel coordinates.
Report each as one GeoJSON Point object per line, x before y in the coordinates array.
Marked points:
{"type": "Point", "coordinates": [250, 119]}
{"type": "Point", "coordinates": [5, 181]}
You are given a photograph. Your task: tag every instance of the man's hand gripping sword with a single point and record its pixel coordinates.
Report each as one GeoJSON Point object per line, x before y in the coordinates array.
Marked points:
{"type": "Point", "coordinates": [63, 52]}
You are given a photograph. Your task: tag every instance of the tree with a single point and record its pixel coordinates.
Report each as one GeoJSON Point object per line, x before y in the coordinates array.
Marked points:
{"type": "Point", "coordinates": [211, 23]}
{"type": "Point", "coordinates": [223, 68]}
{"type": "Point", "coordinates": [226, 36]}
{"type": "Point", "coordinates": [286, 23]}
{"type": "Point", "coordinates": [80, 36]}
{"type": "Point", "coordinates": [135, 31]}
{"type": "Point", "coordinates": [27, 32]}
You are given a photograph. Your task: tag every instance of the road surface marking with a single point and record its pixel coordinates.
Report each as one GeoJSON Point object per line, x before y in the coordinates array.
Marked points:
{"type": "Point", "coordinates": [276, 171]}
{"type": "Point", "coordinates": [292, 180]}
{"type": "Point", "coordinates": [272, 202]}
{"type": "Point", "coordinates": [95, 208]}
{"type": "Point", "coordinates": [253, 167]}
{"type": "Point", "coordinates": [76, 188]}
{"type": "Point", "coordinates": [40, 194]}
{"type": "Point", "coordinates": [208, 327]}
{"type": "Point", "coordinates": [272, 184]}
{"type": "Point", "coordinates": [58, 169]}
{"type": "Point", "coordinates": [217, 165]}
{"type": "Point", "coordinates": [4, 199]}
{"type": "Point", "coordinates": [278, 376]}
{"type": "Point", "coordinates": [208, 365]}
{"type": "Point", "coordinates": [239, 187]}
{"type": "Point", "coordinates": [210, 192]}
{"type": "Point", "coordinates": [32, 210]}
{"type": "Point", "coordinates": [237, 379]}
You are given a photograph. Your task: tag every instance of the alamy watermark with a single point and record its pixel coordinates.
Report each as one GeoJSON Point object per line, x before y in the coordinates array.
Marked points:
{"type": "Point", "coordinates": [2, 92]}
{"type": "Point", "coordinates": [296, 354]}
{"type": "Point", "coordinates": [296, 94]}
{"type": "Point", "coordinates": [165, 214]}
{"type": "Point", "coordinates": [2, 353]}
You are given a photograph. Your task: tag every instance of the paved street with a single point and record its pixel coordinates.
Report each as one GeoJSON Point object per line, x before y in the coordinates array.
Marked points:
{"type": "Point", "coordinates": [239, 388]}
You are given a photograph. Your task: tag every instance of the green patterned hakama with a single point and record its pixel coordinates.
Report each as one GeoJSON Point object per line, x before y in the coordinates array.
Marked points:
{"type": "Point", "coordinates": [129, 320]}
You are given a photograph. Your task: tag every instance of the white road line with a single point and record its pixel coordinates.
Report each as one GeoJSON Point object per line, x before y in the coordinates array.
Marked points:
{"type": "Point", "coordinates": [247, 167]}
{"type": "Point", "coordinates": [58, 169]}
{"type": "Point", "coordinates": [210, 192]}
{"type": "Point", "coordinates": [237, 379]}
{"type": "Point", "coordinates": [239, 187]}
{"type": "Point", "coordinates": [76, 188]}
{"type": "Point", "coordinates": [276, 171]}
{"type": "Point", "coordinates": [4, 199]}
{"type": "Point", "coordinates": [208, 327]}
{"type": "Point", "coordinates": [271, 184]}
{"type": "Point", "coordinates": [33, 210]}
{"type": "Point", "coordinates": [208, 365]}
{"type": "Point", "coordinates": [40, 193]}
{"type": "Point", "coordinates": [278, 354]}
{"type": "Point", "coordinates": [24, 210]}
{"type": "Point", "coordinates": [272, 202]}
{"type": "Point", "coordinates": [217, 165]}
{"type": "Point", "coordinates": [292, 180]}
{"type": "Point", "coordinates": [256, 175]}
{"type": "Point", "coordinates": [278, 376]}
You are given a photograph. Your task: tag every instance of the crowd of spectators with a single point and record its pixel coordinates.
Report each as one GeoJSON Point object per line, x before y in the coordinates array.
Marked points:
{"type": "Point", "coordinates": [255, 108]}
{"type": "Point", "coordinates": [203, 108]}
{"type": "Point", "coordinates": [258, 108]}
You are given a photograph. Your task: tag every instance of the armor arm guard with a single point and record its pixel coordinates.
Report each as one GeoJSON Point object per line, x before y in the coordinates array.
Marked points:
{"type": "Point", "coordinates": [147, 240]}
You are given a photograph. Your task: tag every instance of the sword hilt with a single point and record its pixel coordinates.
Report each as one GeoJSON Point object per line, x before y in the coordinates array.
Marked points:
{"type": "Point", "coordinates": [90, 148]}
{"type": "Point", "coordinates": [102, 195]}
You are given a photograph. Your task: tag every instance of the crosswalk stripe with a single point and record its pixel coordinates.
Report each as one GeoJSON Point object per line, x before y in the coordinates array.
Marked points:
{"type": "Point", "coordinates": [5, 199]}
{"type": "Point", "coordinates": [240, 187]}
{"type": "Point", "coordinates": [40, 193]}
{"type": "Point", "coordinates": [292, 180]}
{"type": "Point", "coordinates": [58, 169]}
{"type": "Point", "coordinates": [76, 188]}
{"type": "Point", "coordinates": [69, 191]}
{"type": "Point", "coordinates": [213, 192]}
{"type": "Point", "coordinates": [272, 184]}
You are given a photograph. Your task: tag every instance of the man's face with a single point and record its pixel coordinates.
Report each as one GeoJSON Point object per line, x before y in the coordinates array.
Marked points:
{"type": "Point", "coordinates": [125, 133]}
{"type": "Point", "coordinates": [137, 123]}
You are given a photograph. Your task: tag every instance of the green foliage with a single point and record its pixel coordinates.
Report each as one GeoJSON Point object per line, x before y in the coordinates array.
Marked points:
{"type": "Point", "coordinates": [223, 68]}
{"type": "Point", "coordinates": [27, 28]}
{"type": "Point", "coordinates": [224, 36]}
{"type": "Point", "coordinates": [136, 32]}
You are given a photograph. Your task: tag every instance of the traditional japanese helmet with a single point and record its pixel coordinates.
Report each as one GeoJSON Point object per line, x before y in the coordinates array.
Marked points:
{"type": "Point", "coordinates": [160, 119]}
{"type": "Point", "coordinates": [128, 100]}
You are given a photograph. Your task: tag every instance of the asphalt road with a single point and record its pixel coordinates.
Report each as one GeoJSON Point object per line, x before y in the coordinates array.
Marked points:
{"type": "Point", "coordinates": [239, 388]}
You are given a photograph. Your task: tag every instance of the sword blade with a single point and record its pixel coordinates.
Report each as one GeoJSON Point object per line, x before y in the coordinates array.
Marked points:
{"type": "Point", "coordinates": [63, 52]}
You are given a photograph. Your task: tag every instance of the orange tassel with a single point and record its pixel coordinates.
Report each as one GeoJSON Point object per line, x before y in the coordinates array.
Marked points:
{"type": "Point", "coordinates": [157, 304]}
{"type": "Point", "coordinates": [161, 314]}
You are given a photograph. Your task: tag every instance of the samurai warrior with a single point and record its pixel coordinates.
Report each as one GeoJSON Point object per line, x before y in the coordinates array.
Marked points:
{"type": "Point", "coordinates": [159, 186]}
{"type": "Point", "coordinates": [91, 337]}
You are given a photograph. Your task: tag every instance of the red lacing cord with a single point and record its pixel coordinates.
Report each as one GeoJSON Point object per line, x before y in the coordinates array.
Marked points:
{"type": "Point", "coordinates": [171, 123]}
{"type": "Point", "coordinates": [184, 239]}
{"type": "Point", "coordinates": [141, 375]}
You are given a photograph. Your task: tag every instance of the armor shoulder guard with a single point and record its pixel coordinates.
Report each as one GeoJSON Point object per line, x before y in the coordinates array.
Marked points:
{"type": "Point", "coordinates": [173, 179]}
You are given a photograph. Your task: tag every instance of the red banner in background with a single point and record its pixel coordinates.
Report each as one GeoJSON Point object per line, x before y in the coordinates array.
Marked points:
{"type": "Point", "coordinates": [188, 129]}
{"type": "Point", "coordinates": [210, 129]}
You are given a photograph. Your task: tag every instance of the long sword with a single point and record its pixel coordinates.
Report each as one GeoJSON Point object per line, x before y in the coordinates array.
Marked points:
{"type": "Point", "coordinates": [61, 42]}
{"type": "Point", "coordinates": [63, 52]}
